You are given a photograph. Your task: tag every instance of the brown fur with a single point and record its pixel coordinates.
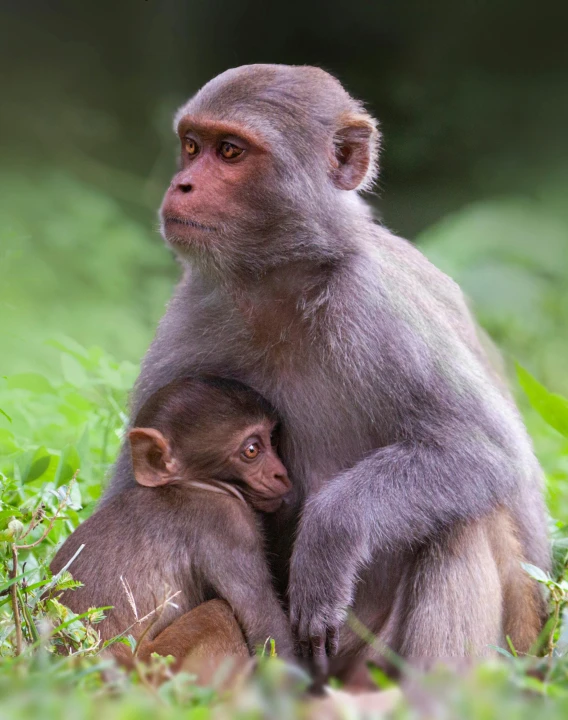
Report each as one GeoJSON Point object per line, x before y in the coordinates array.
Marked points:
{"type": "Point", "coordinates": [206, 642]}
{"type": "Point", "coordinates": [183, 535]}
{"type": "Point", "coordinates": [524, 607]}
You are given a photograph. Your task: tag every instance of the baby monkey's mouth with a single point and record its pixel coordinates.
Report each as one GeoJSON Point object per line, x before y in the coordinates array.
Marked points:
{"type": "Point", "coordinates": [264, 500]}
{"type": "Point", "coordinates": [267, 504]}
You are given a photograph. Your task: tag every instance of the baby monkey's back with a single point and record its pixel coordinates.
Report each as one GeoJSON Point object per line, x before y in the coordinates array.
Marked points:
{"type": "Point", "coordinates": [187, 532]}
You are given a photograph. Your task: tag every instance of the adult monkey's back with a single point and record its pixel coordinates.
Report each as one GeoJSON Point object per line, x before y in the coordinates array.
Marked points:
{"type": "Point", "coordinates": [417, 485]}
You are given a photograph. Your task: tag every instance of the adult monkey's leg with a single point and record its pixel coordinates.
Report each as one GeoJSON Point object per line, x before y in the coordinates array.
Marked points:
{"type": "Point", "coordinates": [525, 609]}
{"type": "Point", "coordinates": [467, 593]}
{"type": "Point", "coordinates": [449, 603]}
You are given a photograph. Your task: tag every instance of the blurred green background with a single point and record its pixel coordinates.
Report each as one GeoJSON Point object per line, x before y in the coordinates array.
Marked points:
{"type": "Point", "coordinates": [473, 103]}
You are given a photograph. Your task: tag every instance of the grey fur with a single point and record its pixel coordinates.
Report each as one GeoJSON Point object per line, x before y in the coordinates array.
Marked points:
{"type": "Point", "coordinates": [397, 433]}
{"type": "Point", "coordinates": [164, 540]}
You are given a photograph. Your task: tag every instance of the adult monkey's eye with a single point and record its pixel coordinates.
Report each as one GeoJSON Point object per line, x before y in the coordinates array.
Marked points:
{"type": "Point", "coordinates": [251, 451]}
{"type": "Point", "coordinates": [191, 146]}
{"type": "Point", "coordinates": [230, 151]}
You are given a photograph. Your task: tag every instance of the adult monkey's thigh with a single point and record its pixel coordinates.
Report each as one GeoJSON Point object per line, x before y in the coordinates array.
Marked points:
{"type": "Point", "coordinates": [465, 594]}
{"type": "Point", "coordinates": [450, 599]}
{"type": "Point", "coordinates": [396, 431]}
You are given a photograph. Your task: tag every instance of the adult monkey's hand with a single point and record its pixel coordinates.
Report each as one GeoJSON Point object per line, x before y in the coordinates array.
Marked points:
{"type": "Point", "coordinates": [333, 543]}
{"type": "Point", "coordinates": [327, 553]}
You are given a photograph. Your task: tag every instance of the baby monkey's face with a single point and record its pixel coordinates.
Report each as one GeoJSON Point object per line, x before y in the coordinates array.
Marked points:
{"type": "Point", "coordinates": [230, 445]}
{"type": "Point", "coordinates": [253, 462]}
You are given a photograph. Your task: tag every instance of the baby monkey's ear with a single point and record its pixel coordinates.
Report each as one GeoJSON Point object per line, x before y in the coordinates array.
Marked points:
{"type": "Point", "coordinates": [152, 458]}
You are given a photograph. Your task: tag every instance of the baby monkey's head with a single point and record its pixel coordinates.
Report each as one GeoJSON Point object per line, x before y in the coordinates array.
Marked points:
{"type": "Point", "coordinates": [205, 429]}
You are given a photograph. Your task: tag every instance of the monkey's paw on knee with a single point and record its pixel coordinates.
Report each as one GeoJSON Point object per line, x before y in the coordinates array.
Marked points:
{"type": "Point", "coordinates": [318, 606]}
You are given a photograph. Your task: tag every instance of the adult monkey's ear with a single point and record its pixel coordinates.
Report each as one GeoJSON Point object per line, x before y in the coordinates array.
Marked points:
{"type": "Point", "coordinates": [356, 146]}
{"type": "Point", "coordinates": [152, 458]}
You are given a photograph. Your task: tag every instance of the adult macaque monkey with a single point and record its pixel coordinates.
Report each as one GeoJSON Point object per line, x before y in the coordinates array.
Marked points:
{"type": "Point", "coordinates": [201, 446]}
{"type": "Point", "coordinates": [411, 467]}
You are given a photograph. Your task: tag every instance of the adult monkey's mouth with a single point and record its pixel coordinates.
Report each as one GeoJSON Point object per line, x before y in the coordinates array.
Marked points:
{"type": "Point", "coordinates": [176, 220]}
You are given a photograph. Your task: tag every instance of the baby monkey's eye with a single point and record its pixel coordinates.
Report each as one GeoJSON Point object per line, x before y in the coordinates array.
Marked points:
{"type": "Point", "coordinates": [230, 151]}
{"type": "Point", "coordinates": [191, 146]}
{"type": "Point", "coordinates": [251, 451]}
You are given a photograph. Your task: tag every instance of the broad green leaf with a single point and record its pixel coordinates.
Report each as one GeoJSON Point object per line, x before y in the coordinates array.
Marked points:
{"type": "Point", "coordinates": [69, 346]}
{"type": "Point", "coordinates": [68, 464]}
{"type": "Point", "coordinates": [73, 515]}
{"type": "Point", "coordinates": [73, 372]}
{"type": "Point", "coordinates": [74, 417]}
{"type": "Point", "coordinates": [77, 401]}
{"type": "Point", "coordinates": [553, 408]}
{"type": "Point", "coordinates": [39, 465]}
{"type": "Point", "coordinates": [8, 514]}
{"type": "Point", "coordinates": [536, 573]}
{"type": "Point", "coordinates": [34, 382]}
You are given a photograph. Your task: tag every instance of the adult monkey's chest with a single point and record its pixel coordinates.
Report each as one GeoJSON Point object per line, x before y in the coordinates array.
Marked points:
{"type": "Point", "coordinates": [330, 417]}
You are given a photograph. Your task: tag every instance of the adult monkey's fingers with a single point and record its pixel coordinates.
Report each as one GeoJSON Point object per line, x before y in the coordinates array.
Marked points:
{"type": "Point", "coordinates": [319, 655]}
{"type": "Point", "coordinates": [332, 643]}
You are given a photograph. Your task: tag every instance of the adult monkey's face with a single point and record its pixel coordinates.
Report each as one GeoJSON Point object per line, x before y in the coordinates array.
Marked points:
{"type": "Point", "coordinates": [267, 153]}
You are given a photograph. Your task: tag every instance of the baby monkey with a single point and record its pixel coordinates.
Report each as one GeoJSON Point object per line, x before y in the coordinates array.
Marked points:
{"type": "Point", "coordinates": [204, 457]}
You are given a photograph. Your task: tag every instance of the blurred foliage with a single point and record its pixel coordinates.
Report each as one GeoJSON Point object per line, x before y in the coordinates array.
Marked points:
{"type": "Point", "coordinates": [53, 432]}
{"type": "Point", "coordinates": [72, 262]}
{"type": "Point", "coordinates": [51, 428]}
{"type": "Point", "coordinates": [510, 256]}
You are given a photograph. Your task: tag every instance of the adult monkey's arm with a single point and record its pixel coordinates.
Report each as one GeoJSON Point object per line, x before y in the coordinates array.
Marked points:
{"type": "Point", "coordinates": [394, 500]}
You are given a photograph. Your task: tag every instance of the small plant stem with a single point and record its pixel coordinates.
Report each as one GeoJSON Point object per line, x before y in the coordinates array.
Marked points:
{"type": "Point", "coordinates": [37, 517]}
{"type": "Point", "coordinates": [555, 621]}
{"type": "Point", "coordinates": [15, 605]}
{"type": "Point", "coordinates": [31, 629]}
{"type": "Point", "coordinates": [50, 524]}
